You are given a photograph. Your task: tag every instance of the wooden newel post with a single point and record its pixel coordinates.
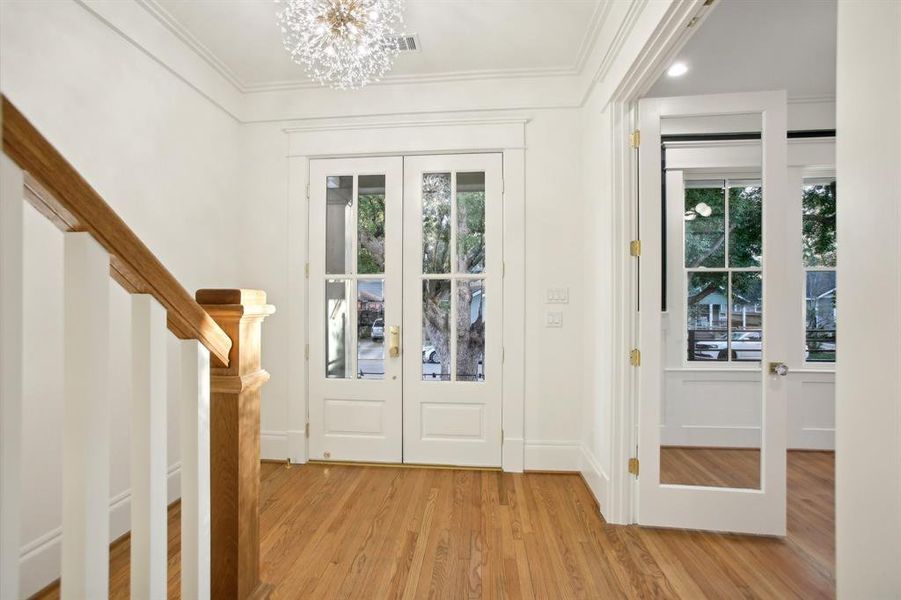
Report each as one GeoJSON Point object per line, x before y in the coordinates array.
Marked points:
{"type": "Point", "coordinates": [235, 444]}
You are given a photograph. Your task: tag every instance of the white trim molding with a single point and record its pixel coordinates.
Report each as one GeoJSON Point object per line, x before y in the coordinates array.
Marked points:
{"type": "Point", "coordinates": [505, 135]}
{"type": "Point", "coordinates": [553, 455]}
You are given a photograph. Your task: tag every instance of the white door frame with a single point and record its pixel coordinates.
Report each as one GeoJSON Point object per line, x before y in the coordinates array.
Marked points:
{"type": "Point", "coordinates": [455, 136]}
{"type": "Point", "coordinates": [619, 503]}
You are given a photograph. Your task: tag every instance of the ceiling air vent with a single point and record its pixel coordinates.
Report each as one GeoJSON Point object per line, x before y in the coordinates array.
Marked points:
{"type": "Point", "coordinates": [408, 42]}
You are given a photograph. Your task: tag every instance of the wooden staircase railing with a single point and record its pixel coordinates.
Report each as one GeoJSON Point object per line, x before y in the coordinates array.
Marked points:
{"type": "Point", "coordinates": [219, 442]}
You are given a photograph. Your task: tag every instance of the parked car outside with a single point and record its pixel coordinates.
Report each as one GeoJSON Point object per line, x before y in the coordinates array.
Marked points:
{"type": "Point", "coordinates": [378, 330]}
{"type": "Point", "coordinates": [746, 345]}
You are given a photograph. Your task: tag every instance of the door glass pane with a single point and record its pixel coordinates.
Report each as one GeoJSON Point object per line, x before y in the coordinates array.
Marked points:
{"type": "Point", "coordinates": [337, 329]}
{"type": "Point", "coordinates": [820, 304]}
{"type": "Point", "coordinates": [436, 297]}
{"type": "Point", "coordinates": [707, 328]}
{"type": "Point", "coordinates": [711, 391]}
{"type": "Point", "coordinates": [705, 225]}
{"type": "Point", "coordinates": [747, 316]}
{"type": "Point", "coordinates": [470, 222]}
{"type": "Point", "coordinates": [338, 224]}
{"type": "Point", "coordinates": [436, 216]}
{"type": "Point", "coordinates": [371, 224]}
{"type": "Point", "coordinates": [818, 224]}
{"type": "Point", "coordinates": [745, 221]}
{"type": "Point", "coordinates": [371, 330]}
{"type": "Point", "coordinates": [470, 330]}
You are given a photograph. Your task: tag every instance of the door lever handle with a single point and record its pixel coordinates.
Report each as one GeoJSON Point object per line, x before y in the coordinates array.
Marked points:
{"type": "Point", "coordinates": [778, 368]}
{"type": "Point", "coordinates": [394, 341]}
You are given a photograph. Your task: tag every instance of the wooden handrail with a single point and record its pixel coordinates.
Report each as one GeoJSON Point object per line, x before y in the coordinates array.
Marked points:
{"type": "Point", "coordinates": [58, 192]}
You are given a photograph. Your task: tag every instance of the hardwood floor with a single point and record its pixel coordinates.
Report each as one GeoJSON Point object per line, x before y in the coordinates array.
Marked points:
{"type": "Point", "coordinates": [370, 532]}
{"type": "Point", "coordinates": [714, 467]}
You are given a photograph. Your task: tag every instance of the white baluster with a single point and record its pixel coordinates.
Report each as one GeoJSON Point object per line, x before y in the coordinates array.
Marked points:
{"type": "Point", "coordinates": [195, 470]}
{"type": "Point", "coordinates": [11, 307]}
{"type": "Point", "coordinates": [149, 537]}
{"type": "Point", "coordinates": [86, 434]}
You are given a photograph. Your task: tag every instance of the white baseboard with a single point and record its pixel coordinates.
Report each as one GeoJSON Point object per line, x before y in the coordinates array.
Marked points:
{"type": "Point", "coordinates": [552, 455]}
{"type": "Point", "coordinates": [39, 560]}
{"type": "Point", "coordinates": [594, 475]}
{"type": "Point", "coordinates": [274, 445]}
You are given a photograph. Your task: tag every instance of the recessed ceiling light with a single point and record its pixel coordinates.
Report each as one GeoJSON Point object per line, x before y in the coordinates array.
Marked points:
{"type": "Point", "coordinates": [677, 70]}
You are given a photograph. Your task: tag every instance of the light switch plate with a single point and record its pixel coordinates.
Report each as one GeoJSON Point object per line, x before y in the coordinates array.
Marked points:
{"type": "Point", "coordinates": [558, 295]}
{"type": "Point", "coordinates": [553, 318]}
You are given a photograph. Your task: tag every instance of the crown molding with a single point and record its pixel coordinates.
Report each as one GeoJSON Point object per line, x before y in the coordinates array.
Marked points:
{"type": "Point", "coordinates": [405, 124]}
{"type": "Point", "coordinates": [586, 46]}
{"type": "Point", "coordinates": [178, 30]}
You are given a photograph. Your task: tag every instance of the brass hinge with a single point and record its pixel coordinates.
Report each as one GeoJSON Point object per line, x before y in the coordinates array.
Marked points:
{"type": "Point", "coordinates": [503, 354]}
{"type": "Point", "coordinates": [306, 270]}
{"type": "Point", "coordinates": [635, 357]}
{"type": "Point", "coordinates": [635, 139]}
{"type": "Point", "coordinates": [502, 436]}
{"type": "Point", "coordinates": [633, 466]}
{"type": "Point", "coordinates": [635, 248]}
{"type": "Point", "coordinates": [306, 430]}
{"type": "Point", "coordinates": [306, 351]}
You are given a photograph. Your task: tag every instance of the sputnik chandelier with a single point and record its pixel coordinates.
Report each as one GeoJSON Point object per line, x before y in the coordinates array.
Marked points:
{"type": "Point", "coordinates": [345, 44]}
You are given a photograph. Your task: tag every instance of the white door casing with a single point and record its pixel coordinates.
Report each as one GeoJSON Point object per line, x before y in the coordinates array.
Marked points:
{"type": "Point", "coordinates": [353, 417]}
{"type": "Point", "coordinates": [759, 511]}
{"type": "Point", "coordinates": [454, 419]}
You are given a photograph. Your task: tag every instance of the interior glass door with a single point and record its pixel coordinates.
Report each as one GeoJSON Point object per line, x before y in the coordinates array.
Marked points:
{"type": "Point", "coordinates": [712, 406]}
{"type": "Point", "coordinates": [355, 295]}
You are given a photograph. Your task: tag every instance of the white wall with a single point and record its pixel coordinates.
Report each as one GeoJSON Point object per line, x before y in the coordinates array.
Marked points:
{"type": "Point", "coordinates": [868, 381]}
{"type": "Point", "coordinates": [597, 264]}
{"type": "Point", "coordinates": [166, 159]}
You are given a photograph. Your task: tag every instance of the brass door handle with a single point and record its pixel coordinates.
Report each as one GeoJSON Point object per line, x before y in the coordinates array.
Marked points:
{"type": "Point", "coordinates": [394, 341]}
{"type": "Point", "coordinates": [778, 368]}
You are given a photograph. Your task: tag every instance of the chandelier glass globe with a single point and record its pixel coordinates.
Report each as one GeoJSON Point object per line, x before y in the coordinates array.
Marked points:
{"type": "Point", "coordinates": [345, 44]}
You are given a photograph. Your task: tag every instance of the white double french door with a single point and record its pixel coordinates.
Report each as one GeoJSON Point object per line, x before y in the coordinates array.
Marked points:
{"type": "Point", "coordinates": [405, 284]}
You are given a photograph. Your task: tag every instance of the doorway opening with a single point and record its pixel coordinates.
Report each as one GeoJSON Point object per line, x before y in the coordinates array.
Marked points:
{"type": "Point", "coordinates": [737, 278]}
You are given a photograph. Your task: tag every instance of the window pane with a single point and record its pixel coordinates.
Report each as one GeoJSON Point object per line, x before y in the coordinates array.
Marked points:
{"type": "Point", "coordinates": [747, 316]}
{"type": "Point", "coordinates": [371, 329]}
{"type": "Point", "coordinates": [371, 224]}
{"type": "Point", "coordinates": [436, 212]}
{"type": "Point", "coordinates": [470, 222]}
{"type": "Point", "coordinates": [707, 326]}
{"type": "Point", "coordinates": [436, 329]}
{"type": "Point", "coordinates": [820, 302]}
{"type": "Point", "coordinates": [337, 329]}
{"type": "Point", "coordinates": [470, 331]}
{"type": "Point", "coordinates": [818, 225]}
{"type": "Point", "coordinates": [338, 214]}
{"type": "Point", "coordinates": [705, 227]}
{"type": "Point", "coordinates": [745, 247]}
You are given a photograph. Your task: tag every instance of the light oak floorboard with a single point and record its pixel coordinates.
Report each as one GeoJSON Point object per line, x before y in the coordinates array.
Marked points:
{"type": "Point", "coordinates": [373, 532]}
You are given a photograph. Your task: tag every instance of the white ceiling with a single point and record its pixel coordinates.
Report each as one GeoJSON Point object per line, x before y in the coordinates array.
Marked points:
{"type": "Point", "coordinates": [459, 38]}
{"type": "Point", "coordinates": [749, 45]}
